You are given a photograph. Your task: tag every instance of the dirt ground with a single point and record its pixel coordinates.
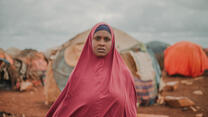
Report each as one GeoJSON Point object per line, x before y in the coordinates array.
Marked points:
{"type": "Point", "coordinates": [31, 103]}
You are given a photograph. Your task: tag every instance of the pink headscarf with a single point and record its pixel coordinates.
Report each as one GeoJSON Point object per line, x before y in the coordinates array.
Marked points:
{"type": "Point", "coordinates": [98, 86]}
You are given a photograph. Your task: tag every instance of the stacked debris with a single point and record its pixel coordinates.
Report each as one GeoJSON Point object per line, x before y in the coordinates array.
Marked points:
{"type": "Point", "coordinates": [31, 66]}
{"type": "Point", "coordinates": [183, 102]}
{"type": "Point", "coordinates": [24, 68]}
{"type": "Point", "coordinates": [5, 67]}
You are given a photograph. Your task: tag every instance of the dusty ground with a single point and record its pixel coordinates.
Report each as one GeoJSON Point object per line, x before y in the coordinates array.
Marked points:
{"type": "Point", "coordinates": [31, 103]}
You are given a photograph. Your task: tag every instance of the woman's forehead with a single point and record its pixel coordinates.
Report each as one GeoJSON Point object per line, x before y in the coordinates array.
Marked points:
{"type": "Point", "coordinates": [102, 33]}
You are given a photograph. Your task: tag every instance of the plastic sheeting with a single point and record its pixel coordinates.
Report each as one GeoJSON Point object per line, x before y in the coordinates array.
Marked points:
{"type": "Point", "coordinates": [185, 58]}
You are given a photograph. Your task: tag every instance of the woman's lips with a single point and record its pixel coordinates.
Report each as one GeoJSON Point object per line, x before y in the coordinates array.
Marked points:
{"type": "Point", "coordinates": [101, 50]}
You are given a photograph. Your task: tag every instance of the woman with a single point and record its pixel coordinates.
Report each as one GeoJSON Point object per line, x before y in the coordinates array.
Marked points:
{"type": "Point", "coordinates": [100, 85]}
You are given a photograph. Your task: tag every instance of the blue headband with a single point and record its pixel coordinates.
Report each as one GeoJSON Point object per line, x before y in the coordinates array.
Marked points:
{"type": "Point", "coordinates": [103, 27]}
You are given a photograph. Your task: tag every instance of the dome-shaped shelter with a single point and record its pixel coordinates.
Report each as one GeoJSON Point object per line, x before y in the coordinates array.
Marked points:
{"type": "Point", "coordinates": [13, 51]}
{"type": "Point", "coordinates": [158, 49]}
{"type": "Point", "coordinates": [185, 58]}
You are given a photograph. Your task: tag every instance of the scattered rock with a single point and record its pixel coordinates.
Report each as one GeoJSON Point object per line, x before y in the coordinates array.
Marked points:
{"type": "Point", "coordinates": [160, 99]}
{"type": "Point", "coordinates": [198, 108]}
{"type": "Point", "coordinates": [199, 78]}
{"type": "Point", "coordinates": [199, 115]}
{"type": "Point", "coordinates": [25, 86]}
{"type": "Point", "coordinates": [198, 92]}
{"type": "Point", "coordinates": [186, 82]}
{"type": "Point", "coordinates": [31, 92]}
{"type": "Point", "coordinates": [171, 86]}
{"type": "Point", "coordinates": [178, 101]}
{"type": "Point", "coordinates": [193, 108]}
{"type": "Point", "coordinates": [23, 115]}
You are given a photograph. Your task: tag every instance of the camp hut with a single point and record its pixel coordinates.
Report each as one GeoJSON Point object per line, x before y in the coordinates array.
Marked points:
{"type": "Point", "coordinates": [146, 72]}
{"type": "Point", "coordinates": [13, 52]}
{"type": "Point", "coordinates": [158, 49]}
{"type": "Point", "coordinates": [185, 58]}
{"type": "Point", "coordinates": [68, 54]}
{"type": "Point", "coordinates": [31, 65]}
{"type": "Point", "coordinates": [6, 70]}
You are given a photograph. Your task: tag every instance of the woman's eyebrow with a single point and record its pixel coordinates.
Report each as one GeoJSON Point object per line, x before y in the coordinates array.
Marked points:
{"type": "Point", "coordinates": [97, 36]}
{"type": "Point", "coordinates": [107, 37]}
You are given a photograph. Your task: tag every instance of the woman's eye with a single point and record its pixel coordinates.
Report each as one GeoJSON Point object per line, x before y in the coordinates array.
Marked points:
{"type": "Point", "coordinates": [106, 39]}
{"type": "Point", "coordinates": [97, 38]}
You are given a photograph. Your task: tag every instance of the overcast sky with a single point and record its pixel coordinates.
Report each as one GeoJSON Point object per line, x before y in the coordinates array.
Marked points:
{"type": "Point", "coordinates": [42, 24]}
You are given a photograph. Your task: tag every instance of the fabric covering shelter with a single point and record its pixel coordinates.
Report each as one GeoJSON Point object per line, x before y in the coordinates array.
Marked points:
{"type": "Point", "coordinates": [158, 49]}
{"type": "Point", "coordinates": [147, 74]}
{"type": "Point", "coordinates": [157, 46]}
{"type": "Point", "coordinates": [13, 51]}
{"type": "Point", "coordinates": [185, 58]}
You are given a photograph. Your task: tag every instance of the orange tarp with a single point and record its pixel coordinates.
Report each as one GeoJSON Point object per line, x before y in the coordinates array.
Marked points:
{"type": "Point", "coordinates": [185, 58]}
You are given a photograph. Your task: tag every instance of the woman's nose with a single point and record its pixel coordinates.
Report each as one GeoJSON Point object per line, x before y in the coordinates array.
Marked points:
{"type": "Point", "coordinates": [102, 42]}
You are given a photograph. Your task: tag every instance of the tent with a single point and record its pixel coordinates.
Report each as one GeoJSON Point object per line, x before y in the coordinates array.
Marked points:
{"type": "Point", "coordinates": [35, 62]}
{"type": "Point", "coordinates": [158, 49]}
{"type": "Point", "coordinates": [29, 65]}
{"type": "Point", "coordinates": [13, 51]}
{"type": "Point", "coordinates": [185, 58]}
{"type": "Point", "coordinates": [146, 72]}
{"type": "Point", "coordinates": [68, 54]}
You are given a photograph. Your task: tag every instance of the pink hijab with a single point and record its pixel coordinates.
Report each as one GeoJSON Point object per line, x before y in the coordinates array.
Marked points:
{"type": "Point", "coordinates": [98, 86]}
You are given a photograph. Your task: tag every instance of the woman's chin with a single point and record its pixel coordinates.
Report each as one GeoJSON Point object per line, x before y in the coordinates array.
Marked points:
{"type": "Point", "coordinates": [100, 54]}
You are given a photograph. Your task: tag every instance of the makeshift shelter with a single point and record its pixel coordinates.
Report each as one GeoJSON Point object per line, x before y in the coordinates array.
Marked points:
{"type": "Point", "coordinates": [13, 52]}
{"type": "Point", "coordinates": [51, 88]}
{"type": "Point", "coordinates": [30, 65]}
{"type": "Point", "coordinates": [147, 74]}
{"type": "Point", "coordinates": [67, 55]}
{"type": "Point", "coordinates": [6, 69]}
{"type": "Point", "coordinates": [185, 58]}
{"type": "Point", "coordinates": [5, 62]}
{"type": "Point", "coordinates": [158, 49]}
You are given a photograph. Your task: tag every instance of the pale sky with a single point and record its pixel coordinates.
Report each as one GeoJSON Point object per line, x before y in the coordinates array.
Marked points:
{"type": "Point", "coordinates": [43, 24]}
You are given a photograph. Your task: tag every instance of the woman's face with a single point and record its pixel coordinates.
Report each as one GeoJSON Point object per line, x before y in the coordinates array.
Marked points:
{"type": "Point", "coordinates": [101, 43]}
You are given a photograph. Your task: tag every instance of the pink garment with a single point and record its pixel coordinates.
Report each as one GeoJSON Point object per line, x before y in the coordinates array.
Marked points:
{"type": "Point", "coordinates": [98, 87]}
